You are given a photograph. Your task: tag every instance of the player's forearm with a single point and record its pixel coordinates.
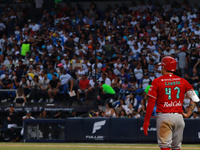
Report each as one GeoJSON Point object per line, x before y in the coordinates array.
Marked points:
{"type": "Point", "coordinates": [149, 109]}
{"type": "Point", "coordinates": [190, 110]}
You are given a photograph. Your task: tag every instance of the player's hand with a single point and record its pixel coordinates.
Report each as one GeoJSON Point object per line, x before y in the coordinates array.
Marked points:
{"type": "Point", "coordinates": [145, 128]}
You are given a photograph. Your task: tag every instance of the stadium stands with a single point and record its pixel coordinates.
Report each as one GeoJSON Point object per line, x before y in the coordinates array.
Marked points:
{"type": "Point", "coordinates": [47, 50]}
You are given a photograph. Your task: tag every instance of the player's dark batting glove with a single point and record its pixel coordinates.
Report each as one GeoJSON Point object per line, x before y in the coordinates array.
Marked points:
{"type": "Point", "coordinates": [145, 128]}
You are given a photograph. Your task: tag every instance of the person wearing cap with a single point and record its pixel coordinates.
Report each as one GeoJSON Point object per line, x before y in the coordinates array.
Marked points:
{"type": "Point", "coordinates": [59, 44]}
{"type": "Point", "coordinates": [104, 70]}
{"type": "Point", "coordinates": [157, 70]}
{"type": "Point", "coordinates": [4, 74]}
{"type": "Point", "coordinates": [31, 61]}
{"type": "Point", "coordinates": [63, 59]}
{"type": "Point", "coordinates": [64, 77]}
{"type": "Point", "coordinates": [12, 117]}
{"type": "Point", "coordinates": [12, 135]}
{"type": "Point", "coordinates": [31, 70]}
{"type": "Point", "coordinates": [6, 83]}
{"type": "Point", "coordinates": [135, 51]}
{"type": "Point", "coordinates": [59, 68]}
{"type": "Point", "coordinates": [27, 116]}
{"type": "Point", "coordinates": [98, 49]}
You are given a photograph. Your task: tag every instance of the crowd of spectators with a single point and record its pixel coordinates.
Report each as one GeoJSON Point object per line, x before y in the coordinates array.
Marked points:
{"type": "Point", "coordinates": [78, 50]}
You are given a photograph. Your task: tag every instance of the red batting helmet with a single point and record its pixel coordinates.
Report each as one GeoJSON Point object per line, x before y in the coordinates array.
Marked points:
{"type": "Point", "coordinates": [169, 63]}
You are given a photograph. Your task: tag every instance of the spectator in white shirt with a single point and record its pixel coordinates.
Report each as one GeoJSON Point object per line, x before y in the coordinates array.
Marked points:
{"type": "Point", "coordinates": [66, 66]}
{"type": "Point", "coordinates": [98, 49]}
{"type": "Point", "coordinates": [151, 46]}
{"type": "Point", "coordinates": [38, 3]}
{"type": "Point", "coordinates": [184, 17]}
{"type": "Point", "coordinates": [152, 75]}
{"type": "Point", "coordinates": [34, 27]}
{"type": "Point", "coordinates": [118, 64]}
{"type": "Point", "coordinates": [138, 72]}
{"type": "Point", "coordinates": [135, 50]}
{"type": "Point", "coordinates": [101, 41]}
{"type": "Point", "coordinates": [197, 32]}
{"type": "Point", "coordinates": [175, 18]}
{"type": "Point", "coordinates": [193, 27]}
{"type": "Point", "coordinates": [65, 77]}
{"type": "Point", "coordinates": [145, 81]}
{"type": "Point", "coordinates": [191, 15]}
{"type": "Point", "coordinates": [80, 72]}
{"type": "Point", "coordinates": [169, 51]}
{"type": "Point", "coordinates": [99, 65]}
{"type": "Point", "coordinates": [3, 40]}
{"type": "Point", "coordinates": [105, 79]}
{"type": "Point", "coordinates": [154, 38]}
{"type": "Point", "coordinates": [134, 21]}
{"type": "Point", "coordinates": [141, 43]}
{"type": "Point", "coordinates": [131, 41]}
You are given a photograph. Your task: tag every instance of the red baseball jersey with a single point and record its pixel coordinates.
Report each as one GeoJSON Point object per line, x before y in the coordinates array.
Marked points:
{"type": "Point", "coordinates": [169, 91]}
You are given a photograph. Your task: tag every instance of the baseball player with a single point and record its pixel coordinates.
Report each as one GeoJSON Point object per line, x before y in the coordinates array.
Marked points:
{"type": "Point", "coordinates": [168, 91]}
